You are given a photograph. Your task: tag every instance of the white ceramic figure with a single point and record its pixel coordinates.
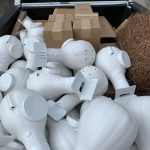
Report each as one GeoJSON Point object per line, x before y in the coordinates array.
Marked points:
{"type": "Point", "coordinates": [12, 146]}
{"type": "Point", "coordinates": [114, 62]}
{"type": "Point", "coordinates": [34, 29]}
{"type": "Point", "coordinates": [138, 107]}
{"type": "Point", "coordinates": [52, 86]}
{"type": "Point", "coordinates": [19, 63]}
{"type": "Point", "coordinates": [57, 110]}
{"type": "Point", "coordinates": [10, 50]}
{"type": "Point", "coordinates": [24, 114]}
{"type": "Point", "coordinates": [92, 72]}
{"type": "Point", "coordinates": [61, 132]}
{"type": "Point", "coordinates": [73, 54]}
{"type": "Point", "coordinates": [105, 125]}
{"type": "Point", "coordinates": [27, 22]}
{"type": "Point", "coordinates": [14, 78]}
{"type": "Point", "coordinates": [57, 68]}
{"type": "Point", "coordinates": [28, 52]}
{"type": "Point", "coordinates": [33, 33]}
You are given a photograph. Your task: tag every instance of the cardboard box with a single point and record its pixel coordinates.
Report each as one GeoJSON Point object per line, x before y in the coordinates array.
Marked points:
{"type": "Point", "coordinates": [84, 11]}
{"type": "Point", "coordinates": [60, 17]}
{"type": "Point", "coordinates": [64, 11]}
{"type": "Point", "coordinates": [56, 33]}
{"type": "Point", "coordinates": [107, 30]}
{"type": "Point", "coordinates": [88, 30]}
{"type": "Point", "coordinates": [18, 26]}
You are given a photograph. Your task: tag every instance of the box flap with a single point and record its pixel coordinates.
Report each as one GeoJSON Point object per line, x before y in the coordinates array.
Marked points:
{"type": "Point", "coordinates": [107, 29]}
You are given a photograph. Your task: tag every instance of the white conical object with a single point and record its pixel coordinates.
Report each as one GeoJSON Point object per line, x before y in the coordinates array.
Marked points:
{"type": "Point", "coordinates": [114, 62]}
{"type": "Point", "coordinates": [24, 114]}
{"type": "Point", "coordinates": [52, 86]}
{"type": "Point", "coordinates": [73, 54]}
{"type": "Point", "coordinates": [10, 50]}
{"type": "Point", "coordinates": [19, 63]}
{"type": "Point", "coordinates": [14, 78]}
{"type": "Point", "coordinates": [61, 135]}
{"type": "Point", "coordinates": [105, 125]}
{"type": "Point", "coordinates": [57, 68]}
{"type": "Point", "coordinates": [139, 107]}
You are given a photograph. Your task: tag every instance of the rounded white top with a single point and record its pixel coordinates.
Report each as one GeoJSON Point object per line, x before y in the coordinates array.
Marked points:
{"type": "Point", "coordinates": [35, 108]}
{"type": "Point", "coordinates": [124, 59]}
{"type": "Point", "coordinates": [6, 82]}
{"type": "Point", "coordinates": [67, 41]}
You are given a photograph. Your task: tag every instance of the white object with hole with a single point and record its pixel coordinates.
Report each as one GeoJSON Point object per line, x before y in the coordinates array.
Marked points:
{"type": "Point", "coordinates": [114, 63]}
{"type": "Point", "coordinates": [24, 114]}
{"type": "Point", "coordinates": [10, 50]}
{"type": "Point", "coordinates": [73, 54]}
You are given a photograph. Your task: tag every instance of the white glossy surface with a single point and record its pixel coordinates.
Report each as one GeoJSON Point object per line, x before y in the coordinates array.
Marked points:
{"type": "Point", "coordinates": [33, 29]}
{"type": "Point", "coordinates": [19, 63]}
{"type": "Point", "coordinates": [23, 114]}
{"type": "Point", "coordinates": [138, 107]}
{"type": "Point", "coordinates": [57, 68]}
{"type": "Point", "coordinates": [62, 136]}
{"type": "Point", "coordinates": [10, 50]}
{"type": "Point", "coordinates": [14, 78]}
{"type": "Point", "coordinates": [52, 86]}
{"type": "Point", "coordinates": [27, 22]}
{"type": "Point", "coordinates": [73, 54]}
{"type": "Point", "coordinates": [57, 110]}
{"type": "Point", "coordinates": [92, 72]}
{"type": "Point", "coordinates": [28, 45]}
{"type": "Point", "coordinates": [108, 59]}
{"type": "Point", "coordinates": [102, 117]}
{"type": "Point", "coordinates": [114, 62]}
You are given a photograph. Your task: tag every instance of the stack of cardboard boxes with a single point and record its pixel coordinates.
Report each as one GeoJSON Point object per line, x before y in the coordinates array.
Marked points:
{"type": "Point", "coordinates": [80, 23]}
{"type": "Point", "coordinates": [58, 27]}
{"type": "Point", "coordinates": [86, 25]}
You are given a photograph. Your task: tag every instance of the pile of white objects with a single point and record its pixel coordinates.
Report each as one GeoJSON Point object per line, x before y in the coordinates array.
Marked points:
{"type": "Point", "coordinates": [52, 99]}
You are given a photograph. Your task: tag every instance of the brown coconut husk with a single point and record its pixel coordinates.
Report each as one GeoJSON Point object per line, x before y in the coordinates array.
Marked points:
{"type": "Point", "coordinates": [133, 36]}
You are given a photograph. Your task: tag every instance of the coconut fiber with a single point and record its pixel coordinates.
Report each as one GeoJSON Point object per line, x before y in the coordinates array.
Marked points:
{"type": "Point", "coordinates": [133, 36]}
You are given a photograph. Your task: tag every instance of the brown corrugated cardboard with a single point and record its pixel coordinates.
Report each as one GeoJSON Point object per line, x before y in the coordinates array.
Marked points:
{"type": "Point", "coordinates": [107, 30]}
{"type": "Point", "coordinates": [55, 33]}
{"type": "Point", "coordinates": [18, 26]}
{"type": "Point", "coordinates": [60, 17]}
{"type": "Point", "coordinates": [89, 30]}
{"type": "Point", "coordinates": [68, 12]}
{"type": "Point", "coordinates": [83, 9]}
{"type": "Point", "coordinates": [64, 11]}
{"type": "Point", "coordinates": [87, 16]}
